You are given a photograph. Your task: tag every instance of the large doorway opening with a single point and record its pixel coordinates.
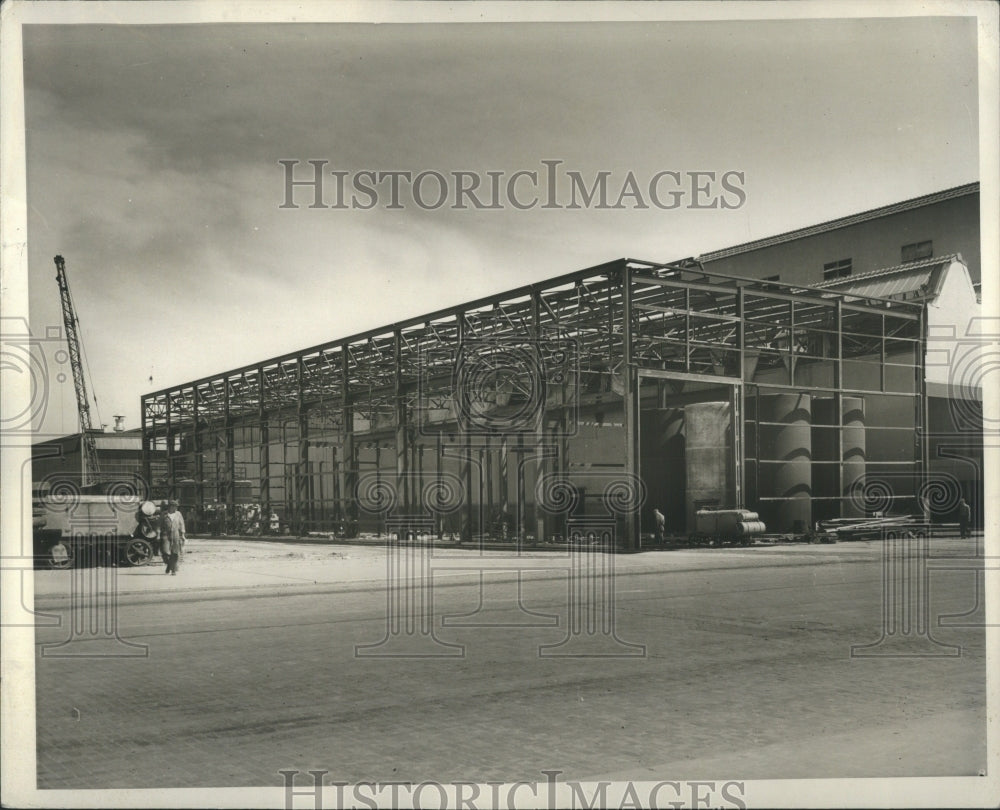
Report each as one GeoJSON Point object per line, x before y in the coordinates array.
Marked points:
{"type": "Point", "coordinates": [689, 449]}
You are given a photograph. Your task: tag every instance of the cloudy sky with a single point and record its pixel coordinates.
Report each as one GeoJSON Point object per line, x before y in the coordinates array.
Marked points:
{"type": "Point", "coordinates": [153, 164]}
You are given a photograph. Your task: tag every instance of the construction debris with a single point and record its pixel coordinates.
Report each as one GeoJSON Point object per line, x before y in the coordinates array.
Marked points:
{"type": "Point", "coordinates": [872, 527]}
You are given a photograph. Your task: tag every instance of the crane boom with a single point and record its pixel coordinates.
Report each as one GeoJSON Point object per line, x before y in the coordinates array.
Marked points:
{"type": "Point", "coordinates": [91, 465]}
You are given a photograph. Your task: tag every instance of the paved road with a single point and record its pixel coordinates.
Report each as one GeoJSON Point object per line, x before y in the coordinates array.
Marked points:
{"type": "Point", "coordinates": [747, 674]}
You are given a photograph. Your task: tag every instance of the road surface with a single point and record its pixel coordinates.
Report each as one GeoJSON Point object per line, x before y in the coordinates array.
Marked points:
{"type": "Point", "coordinates": [744, 674]}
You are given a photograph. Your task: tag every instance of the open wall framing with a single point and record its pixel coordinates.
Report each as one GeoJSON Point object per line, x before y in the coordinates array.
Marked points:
{"type": "Point", "coordinates": [506, 416]}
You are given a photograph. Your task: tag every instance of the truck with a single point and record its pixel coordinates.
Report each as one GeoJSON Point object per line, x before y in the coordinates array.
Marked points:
{"type": "Point", "coordinates": [79, 529]}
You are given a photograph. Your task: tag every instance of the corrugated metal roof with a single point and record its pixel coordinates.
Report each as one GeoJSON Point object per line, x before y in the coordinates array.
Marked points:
{"type": "Point", "coordinates": [842, 222]}
{"type": "Point", "coordinates": [911, 281]}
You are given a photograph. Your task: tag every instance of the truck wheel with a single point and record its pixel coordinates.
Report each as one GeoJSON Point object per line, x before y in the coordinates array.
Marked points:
{"type": "Point", "coordinates": [138, 552]}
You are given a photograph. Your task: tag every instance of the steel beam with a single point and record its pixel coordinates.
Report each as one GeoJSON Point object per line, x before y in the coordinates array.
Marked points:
{"type": "Point", "coordinates": [661, 374]}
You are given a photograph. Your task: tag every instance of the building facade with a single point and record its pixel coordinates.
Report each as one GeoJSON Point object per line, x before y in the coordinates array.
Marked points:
{"type": "Point", "coordinates": [931, 226]}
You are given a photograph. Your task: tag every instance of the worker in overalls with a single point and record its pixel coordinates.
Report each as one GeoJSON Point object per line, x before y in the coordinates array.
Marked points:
{"type": "Point", "coordinates": [172, 537]}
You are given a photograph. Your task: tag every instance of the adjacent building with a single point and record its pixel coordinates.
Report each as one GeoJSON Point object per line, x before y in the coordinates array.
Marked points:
{"type": "Point", "coordinates": [927, 227]}
{"type": "Point", "coordinates": [119, 454]}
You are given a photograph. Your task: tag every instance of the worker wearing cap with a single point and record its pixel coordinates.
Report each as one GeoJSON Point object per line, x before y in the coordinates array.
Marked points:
{"type": "Point", "coordinates": [172, 537]}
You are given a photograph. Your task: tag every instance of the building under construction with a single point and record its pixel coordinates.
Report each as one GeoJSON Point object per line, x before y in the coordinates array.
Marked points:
{"type": "Point", "coordinates": [602, 394]}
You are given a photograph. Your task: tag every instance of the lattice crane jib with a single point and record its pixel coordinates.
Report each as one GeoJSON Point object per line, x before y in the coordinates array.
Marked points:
{"type": "Point", "coordinates": [92, 468]}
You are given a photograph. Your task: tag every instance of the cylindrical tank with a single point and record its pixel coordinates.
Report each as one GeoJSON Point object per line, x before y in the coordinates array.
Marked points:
{"type": "Point", "coordinates": [786, 461]}
{"type": "Point", "coordinates": [826, 459]}
{"type": "Point", "coordinates": [853, 443]}
{"type": "Point", "coordinates": [707, 457]}
{"type": "Point", "coordinates": [838, 458]}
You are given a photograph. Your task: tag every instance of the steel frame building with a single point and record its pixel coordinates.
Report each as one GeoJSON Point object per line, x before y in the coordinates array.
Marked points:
{"type": "Point", "coordinates": [505, 416]}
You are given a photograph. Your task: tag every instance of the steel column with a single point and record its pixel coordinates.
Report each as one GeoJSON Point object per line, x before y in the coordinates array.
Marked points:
{"type": "Point", "coordinates": [486, 465]}
{"type": "Point", "coordinates": [349, 462]}
{"type": "Point", "coordinates": [791, 343]}
{"type": "Point", "coordinates": [739, 437]}
{"type": "Point", "coordinates": [199, 465]}
{"type": "Point", "coordinates": [881, 356]}
{"type": "Point", "coordinates": [631, 538]}
{"type": "Point", "coordinates": [171, 486]}
{"type": "Point", "coordinates": [522, 512]}
{"type": "Point", "coordinates": [230, 434]}
{"type": "Point", "coordinates": [418, 465]}
{"type": "Point", "coordinates": [264, 474]}
{"type": "Point", "coordinates": [920, 371]}
{"type": "Point", "coordinates": [402, 444]}
{"type": "Point", "coordinates": [540, 521]}
{"type": "Point", "coordinates": [301, 503]}
{"type": "Point", "coordinates": [147, 466]}
{"type": "Point", "coordinates": [687, 323]}
{"type": "Point", "coordinates": [378, 480]}
{"type": "Point", "coordinates": [438, 518]}
{"type": "Point", "coordinates": [466, 470]}
{"type": "Point", "coordinates": [838, 406]}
